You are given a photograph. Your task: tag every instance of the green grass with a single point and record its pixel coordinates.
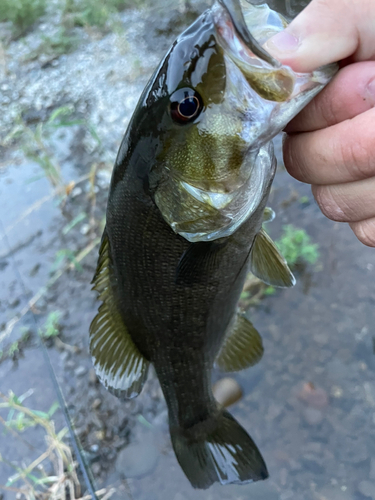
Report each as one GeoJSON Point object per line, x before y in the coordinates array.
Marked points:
{"type": "Point", "coordinates": [296, 246]}
{"type": "Point", "coordinates": [14, 350]}
{"type": "Point", "coordinates": [62, 42]}
{"type": "Point", "coordinates": [51, 327]}
{"type": "Point", "coordinates": [96, 12]}
{"type": "Point", "coordinates": [52, 474]}
{"type": "Point", "coordinates": [21, 13]}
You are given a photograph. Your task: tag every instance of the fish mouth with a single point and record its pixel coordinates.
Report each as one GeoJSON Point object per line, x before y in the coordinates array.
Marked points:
{"type": "Point", "coordinates": [270, 79]}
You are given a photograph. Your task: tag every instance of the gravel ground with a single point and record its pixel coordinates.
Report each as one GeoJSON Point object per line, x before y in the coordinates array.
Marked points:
{"type": "Point", "coordinates": [309, 404]}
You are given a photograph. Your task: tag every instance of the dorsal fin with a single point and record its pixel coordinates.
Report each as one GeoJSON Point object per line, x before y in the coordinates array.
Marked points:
{"type": "Point", "coordinates": [118, 363]}
{"type": "Point", "coordinates": [242, 348]}
{"type": "Point", "coordinates": [267, 263]}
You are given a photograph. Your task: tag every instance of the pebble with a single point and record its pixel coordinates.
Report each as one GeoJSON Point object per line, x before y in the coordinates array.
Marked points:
{"type": "Point", "coordinates": [313, 416]}
{"type": "Point", "coordinates": [76, 192]}
{"type": "Point", "coordinates": [367, 488]}
{"type": "Point", "coordinates": [316, 397]}
{"type": "Point", "coordinates": [80, 371]}
{"type": "Point", "coordinates": [85, 229]}
{"type": "Point", "coordinates": [92, 376]}
{"type": "Point", "coordinates": [137, 460]}
{"type": "Point", "coordinates": [96, 468]}
{"type": "Point", "coordinates": [96, 403]}
{"type": "Point", "coordinates": [227, 391]}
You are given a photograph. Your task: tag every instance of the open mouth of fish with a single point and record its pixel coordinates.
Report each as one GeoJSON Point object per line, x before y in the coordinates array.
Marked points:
{"type": "Point", "coordinates": [277, 95]}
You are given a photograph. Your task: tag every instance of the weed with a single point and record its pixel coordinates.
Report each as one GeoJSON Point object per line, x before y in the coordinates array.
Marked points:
{"type": "Point", "coordinates": [63, 255]}
{"type": "Point", "coordinates": [36, 141]}
{"type": "Point", "coordinates": [32, 481]}
{"type": "Point", "coordinates": [296, 247]}
{"type": "Point", "coordinates": [21, 13]}
{"type": "Point", "coordinates": [60, 43]}
{"type": "Point", "coordinates": [304, 200]}
{"type": "Point", "coordinates": [51, 327]}
{"type": "Point", "coordinates": [14, 350]}
{"type": "Point", "coordinates": [96, 12]}
{"type": "Point", "coordinates": [79, 218]}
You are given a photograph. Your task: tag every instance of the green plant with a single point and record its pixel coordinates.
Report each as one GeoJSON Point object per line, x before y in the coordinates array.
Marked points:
{"type": "Point", "coordinates": [51, 327]}
{"type": "Point", "coordinates": [14, 349]}
{"type": "Point", "coordinates": [296, 247]}
{"type": "Point", "coordinates": [21, 13]}
{"type": "Point", "coordinates": [62, 42]}
{"type": "Point", "coordinates": [31, 481]}
{"type": "Point", "coordinates": [96, 12]}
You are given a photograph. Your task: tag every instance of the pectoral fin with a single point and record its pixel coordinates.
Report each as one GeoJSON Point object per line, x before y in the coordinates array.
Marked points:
{"type": "Point", "coordinates": [267, 264]}
{"type": "Point", "coordinates": [198, 261]}
{"type": "Point", "coordinates": [118, 363]}
{"type": "Point", "coordinates": [242, 348]}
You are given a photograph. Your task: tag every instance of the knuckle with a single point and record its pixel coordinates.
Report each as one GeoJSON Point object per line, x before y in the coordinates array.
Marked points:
{"type": "Point", "coordinates": [331, 204]}
{"type": "Point", "coordinates": [357, 157]}
{"type": "Point", "coordinates": [365, 232]}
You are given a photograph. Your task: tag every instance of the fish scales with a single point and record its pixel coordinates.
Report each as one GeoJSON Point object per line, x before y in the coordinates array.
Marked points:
{"type": "Point", "coordinates": [184, 226]}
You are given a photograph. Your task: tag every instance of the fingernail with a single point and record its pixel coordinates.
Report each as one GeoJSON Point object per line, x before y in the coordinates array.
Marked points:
{"type": "Point", "coordinates": [283, 42]}
{"type": "Point", "coordinates": [370, 92]}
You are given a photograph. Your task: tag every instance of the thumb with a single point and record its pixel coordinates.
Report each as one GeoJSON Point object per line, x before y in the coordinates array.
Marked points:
{"type": "Point", "coordinates": [327, 31]}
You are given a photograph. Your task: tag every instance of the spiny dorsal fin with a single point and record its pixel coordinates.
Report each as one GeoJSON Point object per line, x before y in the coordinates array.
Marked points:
{"type": "Point", "coordinates": [267, 263]}
{"type": "Point", "coordinates": [268, 215]}
{"type": "Point", "coordinates": [242, 348]}
{"type": "Point", "coordinates": [118, 363]}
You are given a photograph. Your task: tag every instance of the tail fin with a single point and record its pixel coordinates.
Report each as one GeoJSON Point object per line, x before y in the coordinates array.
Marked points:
{"type": "Point", "coordinates": [220, 451]}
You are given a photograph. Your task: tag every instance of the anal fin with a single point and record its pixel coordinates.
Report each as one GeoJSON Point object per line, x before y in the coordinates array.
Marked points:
{"type": "Point", "coordinates": [242, 348]}
{"type": "Point", "coordinates": [267, 263]}
{"type": "Point", "coordinates": [117, 361]}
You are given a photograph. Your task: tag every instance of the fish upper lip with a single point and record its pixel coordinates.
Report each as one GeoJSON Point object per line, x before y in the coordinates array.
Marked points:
{"type": "Point", "coordinates": [235, 15]}
{"type": "Point", "coordinates": [236, 39]}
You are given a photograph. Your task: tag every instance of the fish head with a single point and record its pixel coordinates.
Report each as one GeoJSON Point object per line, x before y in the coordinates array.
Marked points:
{"type": "Point", "coordinates": [214, 105]}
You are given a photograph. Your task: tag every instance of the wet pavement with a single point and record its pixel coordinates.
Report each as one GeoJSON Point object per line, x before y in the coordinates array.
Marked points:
{"type": "Point", "coordinates": [309, 404]}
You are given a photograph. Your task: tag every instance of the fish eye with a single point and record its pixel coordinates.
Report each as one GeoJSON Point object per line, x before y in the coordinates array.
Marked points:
{"type": "Point", "coordinates": [185, 106]}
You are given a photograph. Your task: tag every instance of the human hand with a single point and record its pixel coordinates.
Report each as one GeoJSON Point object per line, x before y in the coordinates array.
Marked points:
{"type": "Point", "coordinates": [331, 143]}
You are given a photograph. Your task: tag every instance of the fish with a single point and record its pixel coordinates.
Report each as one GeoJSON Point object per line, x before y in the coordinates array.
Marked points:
{"type": "Point", "coordinates": [185, 210]}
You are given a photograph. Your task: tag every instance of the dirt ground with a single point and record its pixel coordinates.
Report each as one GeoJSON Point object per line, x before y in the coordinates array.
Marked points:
{"type": "Point", "coordinates": [309, 404]}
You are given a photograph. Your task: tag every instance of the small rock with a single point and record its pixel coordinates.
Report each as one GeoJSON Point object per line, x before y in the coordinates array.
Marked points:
{"type": "Point", "coordinates": [96, 468]}
{"type": "Point", "coordinates": [337, 391]}
{"type": "Point", "coordinates": [100, 435]}
{"type": "Point", "coordinates": [85, 229]}
{"type": "Point", "coordinates": [367, 489]}
{"type": "Point", "coordinates": [80, 371]}
{"type": "Point", "coordinates": [227, 391]}
{"type": "Point", "coordinates": [92, 376]}
{"type": "Point", "coordinates": [76, 192]}
{"type": "Point", "coordinates": [316, 397]}
{"type": "Point", "coordinates": [94, 448]}
{"type": "Point", "coordinates": [96, 403]}
{"type": "Point", "coordinates": [313, 416]}
{"type": "Point", "coordinates": [137, 460]}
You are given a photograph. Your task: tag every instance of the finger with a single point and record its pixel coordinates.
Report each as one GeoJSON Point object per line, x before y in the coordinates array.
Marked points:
{"type": "Point", "coordinates": [325, 32]}
{"type": "Point", "coordinates": [365, 231]}
{"type": "Point", "coordinates": [350, 93]}
{"type": "Point", "coordinates": [341, 153]}
{"type": "Point", "coordinates": [351, 202]}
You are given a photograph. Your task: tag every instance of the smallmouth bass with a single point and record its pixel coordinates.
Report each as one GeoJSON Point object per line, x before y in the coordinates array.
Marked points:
{"type": "Point", "coordinates": [184, 226]}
